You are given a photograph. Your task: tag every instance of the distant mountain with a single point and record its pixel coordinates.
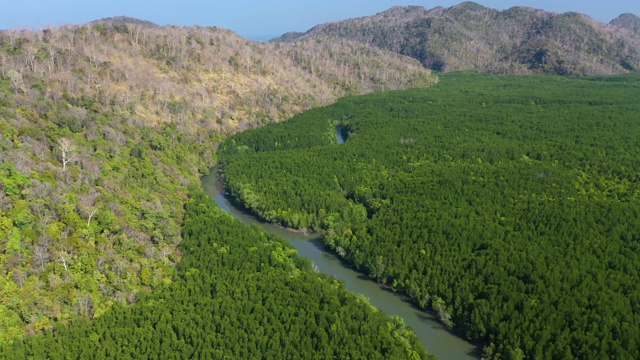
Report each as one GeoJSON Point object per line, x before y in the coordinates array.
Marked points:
{"type": "Point", "coordinates": [627, 21]}
{"type": "Point", "coordinates": [519, 40]}
{"type": "Point", "coordinates": [125, 20]}
{"type": "Point", "coordinates": [290, 36]}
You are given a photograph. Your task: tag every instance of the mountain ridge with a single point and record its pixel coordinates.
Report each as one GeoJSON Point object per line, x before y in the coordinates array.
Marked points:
{"type": "Point", "coordinates": [123, 19]}
{"type": "Point", "coordinates": [519, 40]}
{"type": "Point", "coordinates": [628, 22]}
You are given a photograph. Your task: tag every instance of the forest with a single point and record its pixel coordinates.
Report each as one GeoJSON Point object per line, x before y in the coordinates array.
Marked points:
{"type": "Point", "coordinates": [103, 126]}
{"type": "Point", "coordinates": [507, 205]}
{"type": "Point", "coordinates": [238, 294]}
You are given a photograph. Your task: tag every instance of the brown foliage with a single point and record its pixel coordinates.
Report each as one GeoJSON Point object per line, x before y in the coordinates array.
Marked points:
{"type": "Point", "coordinates": [519, 40]}
{"type": "Point", "coordinates": [197, 77]}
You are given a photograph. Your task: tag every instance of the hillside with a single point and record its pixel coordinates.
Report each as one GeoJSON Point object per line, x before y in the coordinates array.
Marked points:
{"type": "Point", "coordinates": [191, 75]}
{"type": "Point", "coordinates": [102, 128]}
{"type": "Point", "coordinates": [238, 294]}
{"type": "Point", "coordinates": [519, 40]}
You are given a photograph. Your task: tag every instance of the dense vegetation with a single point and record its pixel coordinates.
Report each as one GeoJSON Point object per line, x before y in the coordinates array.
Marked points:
{"type": "Point", "coordinates": [102, 127]}
{"type": "Point", "coordinates": [90, 209]}
{"type": "Point", "coordinates": [238, 294]}
{"type": "Point", "coordinates": [519, 40]}
{"type": "Point", "coordinates": [508, 205]}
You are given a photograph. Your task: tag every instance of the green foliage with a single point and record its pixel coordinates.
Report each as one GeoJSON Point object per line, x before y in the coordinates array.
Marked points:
{"type": "Point", "coordinates": [13, 244]}
{"type": "Point", "coordinates": [239, 293]}
{"type": "Point", "coordinates": [12, 181]}
{"type": "Point", "coordinates": [5, 88]}
{"type": "Point", "coordinates": [233, 61]}
{"type": "Point", "coordinates": [504, 204]}
{"type": "Point", "coordinates": [75, 242]}
{"type": "Point", "coordinates": [38, 86]}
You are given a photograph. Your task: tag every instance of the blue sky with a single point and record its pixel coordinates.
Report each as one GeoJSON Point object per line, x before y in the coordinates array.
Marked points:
{"type": "Point", "coordinates": [260, 19]}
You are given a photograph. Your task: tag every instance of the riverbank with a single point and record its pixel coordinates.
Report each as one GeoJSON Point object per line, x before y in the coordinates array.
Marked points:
{"type": "Point", "coordinates": [432, 334]}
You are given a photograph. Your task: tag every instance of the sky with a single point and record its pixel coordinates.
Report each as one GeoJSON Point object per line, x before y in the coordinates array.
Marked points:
{"type": "Point", "coordinates": [260, 19]}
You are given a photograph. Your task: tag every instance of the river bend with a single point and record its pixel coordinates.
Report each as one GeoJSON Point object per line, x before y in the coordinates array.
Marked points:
{"type": "Point", "coordinates": [438, 341]}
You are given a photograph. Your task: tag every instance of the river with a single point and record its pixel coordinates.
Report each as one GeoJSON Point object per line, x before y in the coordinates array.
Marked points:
{"type": "Point", "coordinates": [438, 341]}
{"type": "Point", "coordinates": [341, 135]}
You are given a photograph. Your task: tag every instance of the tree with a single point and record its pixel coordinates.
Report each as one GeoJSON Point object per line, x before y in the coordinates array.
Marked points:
{"type": "Point", "coordinates": [16, 79]}
{"type": "Point", "coordinates": [90, 213]}
{"type": "Point", "coordinates": [19, 276]}
{"type": "Point", "coordinates": [63, 253]}
{"type": "Point", "coordinates": [14, 243]}
{"type": "Point", "coordinates": [41, 256]}
{"type": "Point", "coordinates": [67, 150]}
{"type": "Point", "coordinates": [166, 251]}
{"type": "Point", "coordinates": [88, 204]}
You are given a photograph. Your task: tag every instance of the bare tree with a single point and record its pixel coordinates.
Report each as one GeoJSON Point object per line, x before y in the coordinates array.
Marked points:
{"type": "Point", "coordinates": [3, 66]}
{"type": "Point", "coordinates": [91, 212]}
{"type": "Point", "coordinates": [39, 190]}
{"type": "Point", "coordinates": [5, 201]}
{"type": "Point", "coordinates": [444, 315]}
{"type": "Point", "coordinates": [16, 79]}
{"type": "Point", "coordinates": [105, 289]}
{"type": "Point", "coordinates": [64, 257]}
{"type": "Point", "coordinates": [37, 207]}
{"type": "Point", "coordinates": [85, 305]}
{"type": "Point", "coordinates": [29, 57]}
{"type": "Point", "coordinates": [88, 204]}
{"type": "Point", "coordinates": [101, 262]}
{"type": "Point", "coordinates": [54, 280]}
{"type": "Point", "coordinates": [41, 256]}
{"type": "Point", "coordinates": [67, 150]}
{"type": "Point", "coordinates": [63, 253]}
{"type": "Point", "coordinates": [166, 251]}
{"type": "Point", "coordinates": [19, 276]}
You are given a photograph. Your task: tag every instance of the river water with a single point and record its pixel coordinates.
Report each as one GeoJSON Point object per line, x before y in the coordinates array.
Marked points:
{"type": "Point", "coordinates": [438, 341]}
{"type": "Point", "coordinates": [341, 135]}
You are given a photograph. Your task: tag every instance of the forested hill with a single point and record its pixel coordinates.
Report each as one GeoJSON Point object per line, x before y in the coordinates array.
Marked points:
{"type": "Point", "coordinates": [102, 127]}
{"type": "Point", "coordinates": [238, 294]}
{"type": "Point", "coordinates": [126, 20]}
{"type": "Point", "coordinates": [519, 40]}
{"type": "Point", "coordinates": [197, 77]}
